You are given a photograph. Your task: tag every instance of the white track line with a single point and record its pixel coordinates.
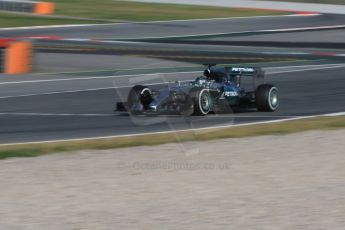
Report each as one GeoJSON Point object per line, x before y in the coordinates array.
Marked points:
{"type": "Point", "coordinates": [59, 92]}
{"type": "Point", "coordinates": [148, 22]}
{"type": "Point", "coordinates": [82, 90]}
{"type": "Point", "coordinates": [174, 131]}
{"type": "Point", "coordinates": [301, 66]}
{"type": "Point", "coordinates": [58, 114]}
{"type": "Point", "coordinates": [312, 67]}
{"type": "Point", "coordinates": [93, 78]}
{"type": "Point", "coordinates": [294, 29]}
{"type": "Point", "coordinates": [231, 115]}
{"type": "Point", "coordinates": [160, 83]}
{"type": "Point", "coordinates": [315, 68]}
{"type": "Point", "coordinates": [52, 26]}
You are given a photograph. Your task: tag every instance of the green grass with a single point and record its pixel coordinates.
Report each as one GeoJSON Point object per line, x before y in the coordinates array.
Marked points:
{"type": "Point", "coordinates": [15, 20]}
{"type": "Point", "coordinates": [32, 150]}
{"type": "Point", "coordinates": [105, 10]}
{"type": "Point", "coordinates": [337, 2]}
{"type": "Point", "coordinates": [133, 11]}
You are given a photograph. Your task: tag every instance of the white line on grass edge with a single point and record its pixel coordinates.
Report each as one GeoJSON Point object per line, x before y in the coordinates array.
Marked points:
{"type": "Point", "coordinates": [175, 131]}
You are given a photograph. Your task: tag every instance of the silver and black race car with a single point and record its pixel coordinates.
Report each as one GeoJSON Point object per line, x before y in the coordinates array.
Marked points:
{"type": "Point", "coordinates": [218, 90]}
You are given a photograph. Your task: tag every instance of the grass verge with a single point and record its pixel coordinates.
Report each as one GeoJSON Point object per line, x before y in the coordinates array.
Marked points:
{"type": "Point", "coordinates": [15, 20]}
{"type": "Point", "coordinates": [135, 11]}
{"type": "Point", "coordinates": [32, 150]}
{"type": "Point", "coordinates": [102, 11]}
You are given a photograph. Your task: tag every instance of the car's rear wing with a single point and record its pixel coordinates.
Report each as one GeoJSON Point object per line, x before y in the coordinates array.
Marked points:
{"type": "Point", "coordinates": [248, 77]}
{"type": "Point", "coordinates": [247, 71]}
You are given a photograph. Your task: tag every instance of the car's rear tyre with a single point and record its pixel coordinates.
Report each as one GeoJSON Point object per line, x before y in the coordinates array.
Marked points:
{"type": "Point", "coordinates": [266, 97]}
{"type": "Point", "coordinates": [139, 95]}
{"type": "Point", "coordinates": [202, 101]}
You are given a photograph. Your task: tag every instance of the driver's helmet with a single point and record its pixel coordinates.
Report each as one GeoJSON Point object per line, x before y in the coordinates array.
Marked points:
{"type": "Point", "coordinates": [207, 73]}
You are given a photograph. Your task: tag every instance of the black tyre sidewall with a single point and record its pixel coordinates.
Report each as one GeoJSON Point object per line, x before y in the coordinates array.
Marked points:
{"type": "Point", "coordinates": [262, 97]}
{"type": "Point", "coordinates": [196, 95]}
{"type": "Point", "coordinates": [134, 95]}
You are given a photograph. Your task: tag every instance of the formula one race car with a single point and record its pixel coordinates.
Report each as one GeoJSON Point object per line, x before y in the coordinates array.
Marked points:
{"type": "Point", "coordinates": [219, 90]}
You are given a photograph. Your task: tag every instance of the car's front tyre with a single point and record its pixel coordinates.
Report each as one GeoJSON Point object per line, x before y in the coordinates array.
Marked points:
{"type": "Point", "coordinates": [202, 101]}
{"type": "Point", "coordinates": [139, 96]}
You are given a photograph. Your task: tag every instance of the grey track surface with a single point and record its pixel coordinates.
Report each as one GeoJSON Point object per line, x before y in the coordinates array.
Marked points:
{"type": "Point", "coordinates": [88, 113]}
{"type": "Point", "coordinates": [180, 28]}
{"type": "Point", "coordinates": [186, 28]}
{"type": "Point", "coordinates": [195, 28]}
{"type": "Point", "coordinates": [302, 93]}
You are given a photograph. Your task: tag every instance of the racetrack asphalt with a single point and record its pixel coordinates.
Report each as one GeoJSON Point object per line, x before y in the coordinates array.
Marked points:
{"type": "Point", "coordinates": [179, 28]}
{"type": "Point", "coordinates": [50, 109]}
{"type": "Point", "coordinates": [88, 113]}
